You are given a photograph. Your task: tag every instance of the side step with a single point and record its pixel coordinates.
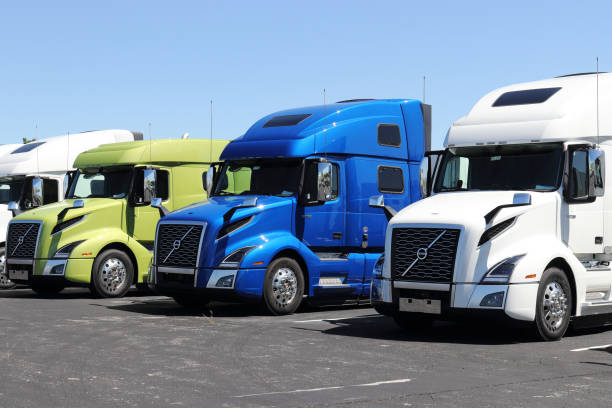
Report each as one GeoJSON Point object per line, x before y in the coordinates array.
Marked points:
{"type": "Point", "coordinates": [595, 308]}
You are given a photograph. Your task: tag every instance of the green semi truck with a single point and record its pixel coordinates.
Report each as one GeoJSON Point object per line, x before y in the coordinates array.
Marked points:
{"type": "Point", "coordinates": [102, 234]}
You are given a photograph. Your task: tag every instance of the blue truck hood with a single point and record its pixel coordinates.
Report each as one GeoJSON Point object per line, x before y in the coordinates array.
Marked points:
{"type": "Point", "coordinates": [271, 214]}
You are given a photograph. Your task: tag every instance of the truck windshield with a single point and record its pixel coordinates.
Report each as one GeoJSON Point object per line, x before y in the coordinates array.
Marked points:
{"type": "Point", "coordinates": [534, 167]}
{"type": "Point", "coordinates": [103, 183]}
{"type": "Point", "coordinates": [259, 177]}
{"type": "Point", "coordinates": [10, 190]}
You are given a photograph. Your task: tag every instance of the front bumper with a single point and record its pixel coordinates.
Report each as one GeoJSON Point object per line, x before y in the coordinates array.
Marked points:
{"type": "Point", "coordinates": [517, 301]}
{"type": "Point", "coordinates": [221, 284]}
{"type": "Point", "coordinates": [72, 270]}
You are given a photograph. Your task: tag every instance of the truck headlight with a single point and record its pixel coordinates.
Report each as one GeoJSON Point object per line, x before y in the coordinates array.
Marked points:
{"type": "Point", "coordinates": [502, 271]}
{"type": "Point", "coordinates": [379, 267]}
{"type": "Point", "coordinates": [64, 252]}
{"type": "Point", "coordinates": [233, 260]}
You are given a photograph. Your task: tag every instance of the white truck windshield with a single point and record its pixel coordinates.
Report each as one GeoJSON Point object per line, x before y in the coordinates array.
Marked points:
{"type": "Point", "coordinates": [535, 167]}
{"type": "Point", "coordinates": [10, 190]}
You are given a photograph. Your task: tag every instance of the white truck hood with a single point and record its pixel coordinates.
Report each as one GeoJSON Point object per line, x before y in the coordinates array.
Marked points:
{"type": "Point", "coordinates": [466, 210]}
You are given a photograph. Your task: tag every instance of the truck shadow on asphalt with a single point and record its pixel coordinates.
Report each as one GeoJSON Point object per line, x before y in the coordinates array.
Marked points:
{"type": "Point", "coordinates": [478, 332]}
{"type": "Point", "coordinates": [69, 293]}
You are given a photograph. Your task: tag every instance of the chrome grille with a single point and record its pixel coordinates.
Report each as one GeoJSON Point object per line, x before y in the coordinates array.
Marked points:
{"type": "Point", "coordinates": [423, 254]}
{"type": "Point", "coordinates": [22, 239]}
{"type": "Point", "coordinates": [178, 245]}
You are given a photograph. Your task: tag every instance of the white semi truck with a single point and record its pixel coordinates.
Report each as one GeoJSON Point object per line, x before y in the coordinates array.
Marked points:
{"type": "Point", "coordinates": [38, 173]}
{"type": "Point", "coordinates": [519, 223]}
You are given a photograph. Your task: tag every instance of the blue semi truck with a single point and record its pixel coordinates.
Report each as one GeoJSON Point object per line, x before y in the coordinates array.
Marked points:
{"type": "Point", "coordinates": [288, 213]}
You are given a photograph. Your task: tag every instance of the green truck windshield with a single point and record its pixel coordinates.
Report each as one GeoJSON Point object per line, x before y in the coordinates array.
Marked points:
{"type": "Point", "coordinates": [101, 184]}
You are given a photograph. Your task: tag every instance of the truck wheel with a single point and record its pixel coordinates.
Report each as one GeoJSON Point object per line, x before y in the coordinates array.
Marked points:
{"type": "Point", "coordinates": [554, 304]}
{"type": "Point", "coordinates": [195, 302]}
{"type": "Point", "coordinates": [283, 286]}
{"type": "Point", "coordinates": [411, 321]}
{"type": "Point", "coordinates": [5, 283]}
{"type": "Point", "coordinates": [112, 274]}
{"type": "Point", "coordinates": [47, 288]}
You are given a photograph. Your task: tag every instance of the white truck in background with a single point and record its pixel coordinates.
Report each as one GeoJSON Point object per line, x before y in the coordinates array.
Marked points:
{"type": "Point", "coordinates": [39, 172]}
{"type": "Point", "coordinates": [519, 221]}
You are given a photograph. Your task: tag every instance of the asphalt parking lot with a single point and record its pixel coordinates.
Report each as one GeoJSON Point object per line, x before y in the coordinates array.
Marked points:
{"type": "Point", "coordinates": [145, 351]}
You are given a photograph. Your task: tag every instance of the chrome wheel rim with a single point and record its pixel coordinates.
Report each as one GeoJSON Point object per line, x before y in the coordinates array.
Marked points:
{"type": "Point", "coordinates": [113, 275]}
{"type": "Point", "coordinates": [284, 286]}
{"type": "Point", "coordinates": [554, 306]}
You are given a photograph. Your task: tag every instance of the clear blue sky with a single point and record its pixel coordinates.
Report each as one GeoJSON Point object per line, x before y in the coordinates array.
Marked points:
{"type": "Point", "coordinates": [73, 66]}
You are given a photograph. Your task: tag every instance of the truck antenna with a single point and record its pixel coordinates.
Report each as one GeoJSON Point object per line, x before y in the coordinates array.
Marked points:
{"type": "Point", "coordinates": [597, 94]}
{"type": "Point", "coordinates": [324, 128]}
{"type": "Point", "coordinates": [68, 152]}
{"type": "Point", "coordinates": [211, 131]}
{"type": "Point", "coordinates": [150, 145]}
{"type": "Point", "coordinates": [424, 87]}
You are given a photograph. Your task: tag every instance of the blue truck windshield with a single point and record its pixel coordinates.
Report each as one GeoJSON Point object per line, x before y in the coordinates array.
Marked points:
{"type": "Point", "coordinates": [259, 177]}
{"type": "Point", "coordinates": [535, 167]}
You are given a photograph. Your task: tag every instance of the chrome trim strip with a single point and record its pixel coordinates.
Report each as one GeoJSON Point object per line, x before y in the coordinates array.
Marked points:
{"type": "Point", "coordinates": [181, 271]}
{"type": "Point", "coordinates": [440, 287]}
{"type": "Point", "coordinates": [19, 261]}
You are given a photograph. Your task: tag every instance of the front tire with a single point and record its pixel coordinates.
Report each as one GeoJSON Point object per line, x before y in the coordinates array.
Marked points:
{"type": "Point", "coordinates": [112, 274]}
{"type": "Point", "coordinates": [5, 282]}
{"type": "Point", "coordinates": [554, 305]}
{"type": "Point", "coordinates": [283, 286]}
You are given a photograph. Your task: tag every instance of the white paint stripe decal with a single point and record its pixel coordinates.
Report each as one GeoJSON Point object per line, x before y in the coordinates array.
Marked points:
{"type": "Point", "coordinates": [338, 318]}
{"type": "Point", "coordinates": [374, 384]}
{"type": "Point", "coordinates": [593, 348]}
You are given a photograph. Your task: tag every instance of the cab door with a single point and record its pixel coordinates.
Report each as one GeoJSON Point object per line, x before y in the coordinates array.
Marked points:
{"type": "Point", "coordinates": [584, 195]}
{"type": "Point", "coordinates": [141, 217]}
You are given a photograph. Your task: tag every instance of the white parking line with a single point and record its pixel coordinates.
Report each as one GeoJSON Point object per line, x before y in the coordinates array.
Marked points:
{"type": "Point", "coordinates": [337, 318]}
{"type": "Point", "coordinates": [593, 348]}
{"type": "Point", "coordinates": [374, 384]}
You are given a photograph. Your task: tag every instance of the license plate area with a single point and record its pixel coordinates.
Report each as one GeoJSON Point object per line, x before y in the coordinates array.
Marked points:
{"type": "Point", "coordinates": [415, 305]}
{"type": "Point", "coordinates": [18, 274]}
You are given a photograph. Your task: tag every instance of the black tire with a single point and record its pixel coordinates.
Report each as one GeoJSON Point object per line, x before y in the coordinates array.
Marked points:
{"type": "Point", "coordinates": [194, 302]}
{"type": "Point", "coordinates": [283, 288]}
{"type": "Point", "coordinates": [413, 321]}
{"type": "Point", "coordinates": [112, 274]}
{"type": "Point", "coordinates": [47, 288]}
{"type": "Point", "coordinates": [552, 319]}
{"type": "Point", "coordinates": [5, 283]}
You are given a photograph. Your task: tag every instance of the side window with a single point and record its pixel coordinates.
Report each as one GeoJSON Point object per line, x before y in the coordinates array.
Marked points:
{"type": "Point", "coordinates": [162, 185]}
{"type": "Point", "coordinates": [456, 173]}
{"type": "Point", "coordinates": [389, 135]}
{"type": "Point", "coordinates": [50, 191]}
{"type": "Point", "coordinates": [390, 180]}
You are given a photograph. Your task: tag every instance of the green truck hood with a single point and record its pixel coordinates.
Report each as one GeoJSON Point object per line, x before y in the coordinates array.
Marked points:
{"type": "Point", "coordinates": [97, 213]}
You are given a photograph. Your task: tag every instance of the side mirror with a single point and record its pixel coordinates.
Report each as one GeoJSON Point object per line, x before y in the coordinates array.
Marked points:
{"type": "Point", "coordinates": [157, 203]}
{"type": "Point", "coordinates": [585, 175]}
{"type": "Point", "coordinates": [324, 181]}
{"type": "Point", "coordinates": [209, 180]}
{"type": "Point", "coordinates": [149, 187]}
{"type": "Point", "coordinates": [424, 177]}
{"type": "Point", "coordinates": [427, 171]}
{"type": "Point", "coordinates": [37, 192]}
{"type": "Point", "coordinates": [378, 201]}
{"type": "Point", "coordinates": [13, 206]}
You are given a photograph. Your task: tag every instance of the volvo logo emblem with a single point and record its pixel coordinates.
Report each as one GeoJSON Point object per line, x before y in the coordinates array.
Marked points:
{"type": "Point", "coordinates": [20, 240]}
{"type": "Point", "coordinates": [421, 254]}
{"type": "Point", "coordinates": [176, 245]}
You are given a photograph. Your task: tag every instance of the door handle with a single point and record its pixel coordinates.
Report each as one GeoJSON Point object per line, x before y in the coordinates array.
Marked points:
{"type": "Point", "coordinates": [571, 216]}
{"type": "Point", "coordinates": [306, 216]}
